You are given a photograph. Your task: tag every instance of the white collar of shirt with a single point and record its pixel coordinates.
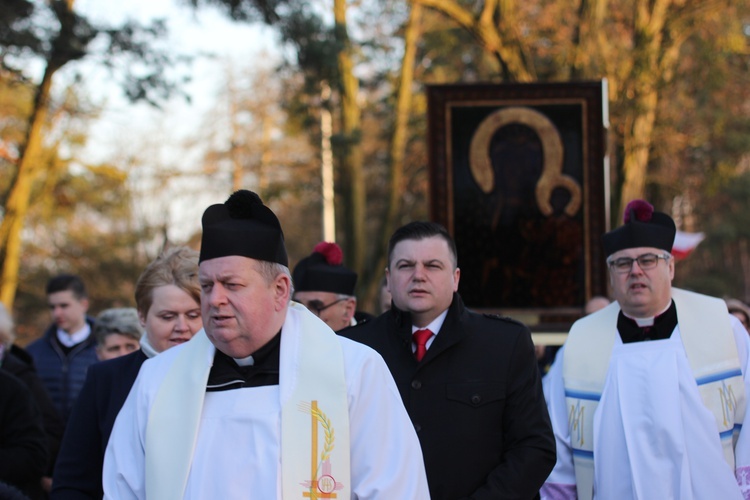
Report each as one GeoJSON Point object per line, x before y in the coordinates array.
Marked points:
{"type": "Point", "coordinates": [146, 347]}
{"type": "Point", "coordinates": [71, 339]}
{"type": "Point", "coordinates": [248, 361]}
{"type": "Point", "coordinates": [642, 322]}
{"type": "Point", "coordinates": [434, 327]}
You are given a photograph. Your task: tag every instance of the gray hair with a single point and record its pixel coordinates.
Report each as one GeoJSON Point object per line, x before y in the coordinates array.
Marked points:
{"type": "Point", "coordinates": [270, 270]}
{"type": "Point", "coordinates": [122, 320]}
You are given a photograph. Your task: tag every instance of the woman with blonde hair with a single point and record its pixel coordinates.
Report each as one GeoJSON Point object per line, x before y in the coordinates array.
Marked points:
{"type": "Point", "coordinates": [167, 298]}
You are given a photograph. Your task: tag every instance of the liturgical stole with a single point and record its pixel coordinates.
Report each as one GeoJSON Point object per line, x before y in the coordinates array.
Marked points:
{"type": "Point", "coordinates": [711, 350]}
{"type": "Point", "coordinates": [314, 414]}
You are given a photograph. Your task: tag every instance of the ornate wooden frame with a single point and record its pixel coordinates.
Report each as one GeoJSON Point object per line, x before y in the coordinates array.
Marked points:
{"type": "Point", "coordinates": [518, 176]}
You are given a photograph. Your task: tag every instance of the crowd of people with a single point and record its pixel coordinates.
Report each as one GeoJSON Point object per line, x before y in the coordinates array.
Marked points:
{"type": "Point", "coordinates": [236, 377]}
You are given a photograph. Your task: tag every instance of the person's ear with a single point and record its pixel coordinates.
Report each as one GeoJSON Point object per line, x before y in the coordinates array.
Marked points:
{"type": "Point", "coordinates": [670, 264]}
{"type": "Point", "coordinates": [282, 288]}
{"type": "Point", "coordinates": [142, 318]}
{"type": "Point", "coordinates": [350, 307]}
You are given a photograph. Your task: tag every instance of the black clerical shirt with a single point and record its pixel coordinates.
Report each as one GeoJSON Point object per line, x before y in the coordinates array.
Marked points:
{"type": "Point", "coordinates": [664, 325]}
{"type": "Point", "coordinates": [226, 374]}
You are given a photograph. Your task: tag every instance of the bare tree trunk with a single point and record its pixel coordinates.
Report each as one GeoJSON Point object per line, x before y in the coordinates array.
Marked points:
{"type": "Point", "coordinates": [326, 164]}
{"type": "Point", "coordinates": [354, 194]}
{"type": "Point", "coordinates": [745, 265]}
{"type": "Point", "coordinates": [399, 140]}
{"type": "Point", "coordinates": [19, 192]}
{"type": "Point", "coordinates": [403, 112]}
{"type": "Point", "coordinates": [17, 202]}
{"type": "Point", "coordinates": [636, 146]}
{"type": "Point", "coordinates": [236, 139]}
{"type": "Point", "coordinates": [265, 151]}
{"type": "Point", "coordinates": [648, 69]}
{"type": "Point", "coordinates": [589, 39]}
{"type": "Point", "coordinates": [506, 46]}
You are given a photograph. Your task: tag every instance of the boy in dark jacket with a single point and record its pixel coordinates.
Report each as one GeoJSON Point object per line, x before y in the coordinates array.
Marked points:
{"type": "Point", "coordinates": [67, 348]}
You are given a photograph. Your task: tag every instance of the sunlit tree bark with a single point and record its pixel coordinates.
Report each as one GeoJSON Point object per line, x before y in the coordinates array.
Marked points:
{"type": "Point", "coordinates": [495, 30]}
{"type": "Point", "coordinates": [351, 164]}
{"type": "Point", "coordinates": [19, 194]}
{"type": "Point", "coordinates": [56, 47]}
{"type": "Point", "coordinates": [399, 139]}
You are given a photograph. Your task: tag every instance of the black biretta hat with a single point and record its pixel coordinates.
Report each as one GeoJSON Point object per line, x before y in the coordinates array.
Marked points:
{"type": "Point", "coordinates": [242, 226]}
{"type": "Point", "coordinates": [643, 227]}
{"type": "Point", "coordinates": [322, 271]}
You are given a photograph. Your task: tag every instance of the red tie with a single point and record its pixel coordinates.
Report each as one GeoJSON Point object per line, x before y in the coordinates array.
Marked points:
{"type": "Point", "coordinates": [420, 339]}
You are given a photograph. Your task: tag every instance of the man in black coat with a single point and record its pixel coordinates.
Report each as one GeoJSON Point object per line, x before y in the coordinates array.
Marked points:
{"type": "Point", "coordinates": [470, 382]}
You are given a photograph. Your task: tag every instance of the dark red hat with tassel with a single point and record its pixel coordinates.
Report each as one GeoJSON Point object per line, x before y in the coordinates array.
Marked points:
{"type": "Point", "coordinates": [642, 227]}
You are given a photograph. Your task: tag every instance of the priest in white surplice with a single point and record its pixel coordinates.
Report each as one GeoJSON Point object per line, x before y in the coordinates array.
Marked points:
{"type": "Point", "coordinates": [648, 396]}
{"type": "Point", "coordinates": [267, 401]}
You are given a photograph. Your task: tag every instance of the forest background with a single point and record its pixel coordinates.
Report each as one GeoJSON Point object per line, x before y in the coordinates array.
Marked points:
{"type": "Point", "coordinates": [679, 95]}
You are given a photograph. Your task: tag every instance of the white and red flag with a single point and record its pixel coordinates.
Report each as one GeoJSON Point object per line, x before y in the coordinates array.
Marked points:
{"type": "Point", "coordinates": [685, 243]}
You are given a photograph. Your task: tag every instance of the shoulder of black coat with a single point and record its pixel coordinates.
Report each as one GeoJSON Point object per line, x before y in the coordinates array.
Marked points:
{"type": "Point", "coordinates": [500, 317]}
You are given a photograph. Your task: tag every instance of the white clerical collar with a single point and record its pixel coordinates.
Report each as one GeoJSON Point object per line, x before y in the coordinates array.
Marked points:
{"type": "Point", "coordinates": [642, 322]}
{"type": "Point", "coordinates": [75, 338]}
{"type": "Point", "coordinates": [248, 361]}
{"type": "Point", "coordinates": [435, 326]}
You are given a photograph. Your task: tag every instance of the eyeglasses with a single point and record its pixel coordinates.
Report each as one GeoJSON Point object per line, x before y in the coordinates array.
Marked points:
{"type": "Point", "coordinates": [646, 261]}
{"type": "Point", "coordinates": [317, 307]}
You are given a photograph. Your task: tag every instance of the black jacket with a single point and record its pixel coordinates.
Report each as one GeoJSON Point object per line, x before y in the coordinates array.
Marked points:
{"type": "Point", "coordinates": [19, 363]}
{"type": "Point", "coordinates": [63, 373]}
{"type": "Point", "coordinates": [23, 448]}
{"type": "Point", "coordinates": [475, 400]}
{"type": "Point", "coordinates": [78, 471]}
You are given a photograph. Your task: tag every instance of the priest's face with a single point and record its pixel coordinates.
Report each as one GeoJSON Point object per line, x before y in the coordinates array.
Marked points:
{"type": "Point", "coordinates": [243, 307]}
{"type": "Point", "coordinates": [422, 276]}
{"type": "Point", "coordinates": [336, 311]}
{"type": "Point", "coordinates": [642, 293]}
